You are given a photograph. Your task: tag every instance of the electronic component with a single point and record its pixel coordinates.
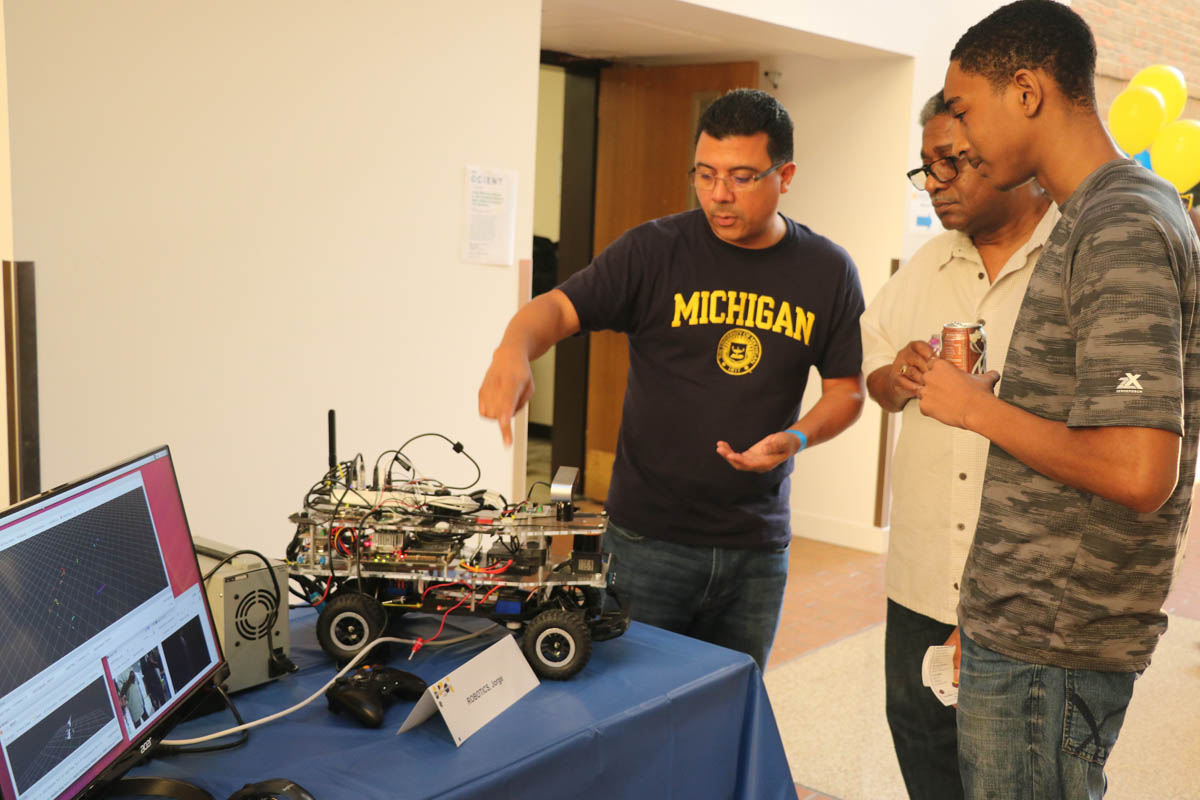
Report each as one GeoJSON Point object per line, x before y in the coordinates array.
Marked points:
{"type": "Point", "coordinates": [526, 559]}
{"type": "Point", "coordinates": [244, 600]}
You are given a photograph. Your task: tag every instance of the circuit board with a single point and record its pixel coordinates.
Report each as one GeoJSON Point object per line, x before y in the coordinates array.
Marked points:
{"type": "Point", "coordinates": [386, 534]}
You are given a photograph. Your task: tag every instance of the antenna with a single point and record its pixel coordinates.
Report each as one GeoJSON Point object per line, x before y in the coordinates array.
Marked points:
{"type": "Point", "coordinates": [332, 441]}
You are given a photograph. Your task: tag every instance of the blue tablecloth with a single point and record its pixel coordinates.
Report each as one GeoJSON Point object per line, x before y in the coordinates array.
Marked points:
{"type": "Point", "coordinates": [653, 715]}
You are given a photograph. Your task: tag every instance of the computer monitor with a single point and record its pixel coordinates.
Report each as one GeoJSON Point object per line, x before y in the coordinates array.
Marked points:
{"type": "Point", "coordinates": [104, 628]}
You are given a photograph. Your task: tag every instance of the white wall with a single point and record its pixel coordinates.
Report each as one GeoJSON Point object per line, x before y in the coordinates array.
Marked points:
{"type": "Point", "coordinates": [848, 187]}
{"type": "Point", "coordinates": [244, 214]}
{"type": "Point", "coordinates": [925, 30]}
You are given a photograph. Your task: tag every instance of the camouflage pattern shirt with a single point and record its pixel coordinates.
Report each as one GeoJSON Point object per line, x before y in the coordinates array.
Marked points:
{"type": "Point", "coordinates": [1106, 336]}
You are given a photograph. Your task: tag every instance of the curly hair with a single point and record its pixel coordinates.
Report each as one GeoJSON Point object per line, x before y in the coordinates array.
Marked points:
{"type": "Point", "coordinates": [745, 112]}
{"type": "Point", "coordinates": [1032, 34]}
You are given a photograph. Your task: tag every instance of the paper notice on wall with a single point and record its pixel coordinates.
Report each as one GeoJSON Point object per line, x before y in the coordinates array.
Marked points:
{"type": "Point", "coordinates": [491, 216]}
{"type": "Point", "coordinates": [921, 217]}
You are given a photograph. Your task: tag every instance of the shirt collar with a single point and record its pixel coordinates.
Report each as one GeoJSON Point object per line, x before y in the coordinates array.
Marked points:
{"type": "Point", "coordinates": [959, 245]}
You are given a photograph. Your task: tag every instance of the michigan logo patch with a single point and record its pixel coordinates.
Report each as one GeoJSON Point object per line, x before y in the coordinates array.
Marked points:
{"type": "Point", "coordinates": [738, 351]}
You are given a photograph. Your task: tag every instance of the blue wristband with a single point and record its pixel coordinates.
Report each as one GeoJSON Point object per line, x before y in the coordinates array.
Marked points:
{"type": "Point", "coordinates": [803, 439]}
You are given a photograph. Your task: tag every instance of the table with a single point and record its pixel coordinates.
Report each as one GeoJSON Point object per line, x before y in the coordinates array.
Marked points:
{"type": "Point", "coordinates": [653, 715]}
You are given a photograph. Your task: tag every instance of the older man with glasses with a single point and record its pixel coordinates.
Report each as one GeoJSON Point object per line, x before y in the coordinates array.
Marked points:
{"type": "Point", "coordinates": [727, 308]}
{"type": "Point", "coordinates": [974, 272]}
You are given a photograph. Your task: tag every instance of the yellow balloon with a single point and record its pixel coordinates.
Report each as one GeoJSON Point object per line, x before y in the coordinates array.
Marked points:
{"type": "Point", "coordinates": [1135, 118]}
{"type": "Point", "coordinates": [1175, 154]}
{"type": "Point", "coordinates": [1169, 82]}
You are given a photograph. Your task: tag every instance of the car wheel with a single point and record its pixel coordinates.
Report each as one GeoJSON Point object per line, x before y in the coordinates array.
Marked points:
{"type": "Point", "coordinates": [557, 644]}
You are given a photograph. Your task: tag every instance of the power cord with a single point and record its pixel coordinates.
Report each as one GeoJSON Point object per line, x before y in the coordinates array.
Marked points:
{"type": "Point", "coordinates": [457, 447]}
{"type": "Point", "coordinates": [165, 749]}
{"type": "Point", "coordinates": [245, 726]}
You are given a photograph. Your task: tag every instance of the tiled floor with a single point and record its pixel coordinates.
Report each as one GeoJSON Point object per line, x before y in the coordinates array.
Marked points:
{"type": "Point", "coordinates": [834, 592]}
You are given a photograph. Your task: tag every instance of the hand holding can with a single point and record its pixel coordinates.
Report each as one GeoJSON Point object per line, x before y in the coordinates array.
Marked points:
{"type": "Point", "coordinates": [964, 344]}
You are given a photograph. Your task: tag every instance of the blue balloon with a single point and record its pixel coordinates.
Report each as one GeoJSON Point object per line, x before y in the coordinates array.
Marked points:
{"type": "Point", "coordinates": [1143, 158]}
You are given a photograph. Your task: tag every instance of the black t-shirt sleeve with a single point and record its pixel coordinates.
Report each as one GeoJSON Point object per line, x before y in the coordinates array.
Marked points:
{"type": "Point", "coordinates": [606, 292]}
{"type": "Point", "coordinates": [843, 350]}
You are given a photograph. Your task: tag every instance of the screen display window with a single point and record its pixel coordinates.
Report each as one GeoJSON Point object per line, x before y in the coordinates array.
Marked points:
{"type": "Point", "coordinates": [105, 625]}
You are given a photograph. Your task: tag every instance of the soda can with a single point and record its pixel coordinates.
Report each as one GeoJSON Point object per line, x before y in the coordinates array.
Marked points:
{"type": "Point", "coordinates": [964, 344]}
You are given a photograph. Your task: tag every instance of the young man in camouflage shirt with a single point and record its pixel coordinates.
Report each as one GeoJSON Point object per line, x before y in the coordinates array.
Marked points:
{"type": "Point", "coordinates": [1090, 471]}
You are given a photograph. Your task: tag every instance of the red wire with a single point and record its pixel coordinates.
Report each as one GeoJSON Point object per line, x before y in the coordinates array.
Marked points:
{"type": "Point", "coordinates": [420, 642]}
{"type": "Point", "coordinates": [325, 593]}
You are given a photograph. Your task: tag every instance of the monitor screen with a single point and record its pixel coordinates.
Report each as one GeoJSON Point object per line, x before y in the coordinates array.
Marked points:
{"type": "Point", "coordinates": [104, 626]}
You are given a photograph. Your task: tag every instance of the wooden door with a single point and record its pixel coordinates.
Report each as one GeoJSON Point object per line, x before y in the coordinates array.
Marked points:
{"type": "Point", "coordinates": [646, 126]}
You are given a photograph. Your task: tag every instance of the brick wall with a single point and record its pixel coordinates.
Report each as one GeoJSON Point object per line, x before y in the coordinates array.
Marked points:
{"type": "Point", "coordinates": [1131, 35]}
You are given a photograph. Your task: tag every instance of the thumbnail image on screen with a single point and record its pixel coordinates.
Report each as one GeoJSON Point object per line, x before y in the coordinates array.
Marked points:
{"type": "Point", "coordinates": [143, 689]}
{"type": "Point", "coordinates": [187, 652]}
{"type": "Point", "coordinates": [59, 734]}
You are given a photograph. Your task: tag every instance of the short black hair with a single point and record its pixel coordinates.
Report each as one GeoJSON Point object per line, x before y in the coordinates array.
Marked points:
{"type": "Point", "coordinates": [933, 107]}
{"type": "Point", "coordinates": [745, 112]}
{"type": "Point", "coordinates": [1032, 34]}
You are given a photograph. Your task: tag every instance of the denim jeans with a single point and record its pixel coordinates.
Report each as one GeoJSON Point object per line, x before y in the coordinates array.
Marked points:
{"type": "Point", "coordinates": [1033, 732]}
{"type": "Point", "coordinates": [924, 732]}
{"type": "Point", "coordinates": [728, 596]}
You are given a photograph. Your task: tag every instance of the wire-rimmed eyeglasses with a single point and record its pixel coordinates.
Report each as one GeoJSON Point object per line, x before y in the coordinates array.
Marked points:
{"type": "Point", "coordinates": [944, 170]}
{"type": "Point", "coordinates": [705, 180]}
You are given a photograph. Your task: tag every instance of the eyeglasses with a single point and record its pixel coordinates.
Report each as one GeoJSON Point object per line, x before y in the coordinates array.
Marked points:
{"type": "Point", "coordinates": [1187, 200]}
{"type": "Point", "coordinates": [706, 181]}
{"type": "Point", "coordinates": [944, 170]}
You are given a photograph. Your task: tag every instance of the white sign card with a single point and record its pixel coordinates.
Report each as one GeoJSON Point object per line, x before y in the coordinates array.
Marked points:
{"type": "Point", "coordinates": [491, 216]}
{"type": "Point", "coordinates": [475, 693]}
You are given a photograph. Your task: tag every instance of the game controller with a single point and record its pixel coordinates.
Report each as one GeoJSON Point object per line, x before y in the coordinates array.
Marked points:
{"type": "Point", "coordinates": [361, 693]}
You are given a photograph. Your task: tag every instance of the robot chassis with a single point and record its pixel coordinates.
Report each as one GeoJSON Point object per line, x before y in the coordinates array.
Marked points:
{"type": "Point", "coordinates": [388, 559]}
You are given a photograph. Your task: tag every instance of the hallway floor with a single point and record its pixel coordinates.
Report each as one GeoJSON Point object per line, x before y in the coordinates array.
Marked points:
{"type": "Point", "coordinates": [834, 592]}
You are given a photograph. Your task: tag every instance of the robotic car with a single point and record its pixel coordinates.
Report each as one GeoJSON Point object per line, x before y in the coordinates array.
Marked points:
{"type": "Point", "coordinates": [367, 554]}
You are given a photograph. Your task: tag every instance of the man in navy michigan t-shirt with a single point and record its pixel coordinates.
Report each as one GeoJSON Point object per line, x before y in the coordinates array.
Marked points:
{"type": "Point", "coordinates": [726, 309]}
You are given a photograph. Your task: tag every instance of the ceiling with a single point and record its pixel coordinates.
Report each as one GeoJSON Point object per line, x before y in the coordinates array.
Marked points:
{"type": "Point", "coordinates": [657, 31]}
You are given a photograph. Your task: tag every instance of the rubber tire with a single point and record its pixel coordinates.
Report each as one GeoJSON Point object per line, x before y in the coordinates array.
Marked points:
{"type": "Point", "coordinates": [348, 622]}
{"type": "Point", "coordinates": [557, 644]}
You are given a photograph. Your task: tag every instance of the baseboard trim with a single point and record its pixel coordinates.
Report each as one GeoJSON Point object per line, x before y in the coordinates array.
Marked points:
{"type": "Point", "coordinates": [845, 533]}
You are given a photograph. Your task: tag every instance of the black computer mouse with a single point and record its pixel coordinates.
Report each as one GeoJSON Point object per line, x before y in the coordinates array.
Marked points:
{"type": "Point", "coordinates": [274, 789]}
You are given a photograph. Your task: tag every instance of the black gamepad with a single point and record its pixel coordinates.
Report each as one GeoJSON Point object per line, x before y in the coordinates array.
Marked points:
{"type": "Point", "coordinates": [361, 693]}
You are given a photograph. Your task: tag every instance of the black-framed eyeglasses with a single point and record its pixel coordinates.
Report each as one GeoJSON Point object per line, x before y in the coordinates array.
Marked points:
{"type": "Point", "coordinates": [706, 181]}
{"type": "Point", "coordinates": [944, 170]}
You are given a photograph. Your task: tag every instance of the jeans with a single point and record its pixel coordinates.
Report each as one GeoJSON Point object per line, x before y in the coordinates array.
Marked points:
{"type": "Point", "coordinates": [924, 732]}
{"type": "Point", "coordinates": [727, 596]}
{"type": "Point", "coordinates": [1033, 732]}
